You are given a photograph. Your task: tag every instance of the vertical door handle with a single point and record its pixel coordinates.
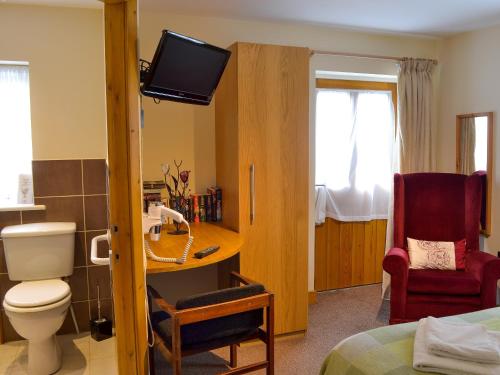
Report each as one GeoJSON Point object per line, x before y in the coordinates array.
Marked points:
{"type": "Point", "coordinates": [252, 193]}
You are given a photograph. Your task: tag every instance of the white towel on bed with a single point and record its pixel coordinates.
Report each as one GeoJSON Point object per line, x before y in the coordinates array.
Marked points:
{"type": "Point", "coordinates": [423, 360]}
{"type": "Point", "coordinates": [470, 342]}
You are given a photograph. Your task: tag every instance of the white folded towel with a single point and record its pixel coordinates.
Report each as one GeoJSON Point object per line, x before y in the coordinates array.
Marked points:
{"type": "Point", "coordinates": [425, 361]}
{"type": "Point", "coordinates": [470, 342]}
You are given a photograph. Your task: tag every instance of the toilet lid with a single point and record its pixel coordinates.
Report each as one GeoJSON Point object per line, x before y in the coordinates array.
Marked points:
{"type": "Point", "coordinates": [37, 293]}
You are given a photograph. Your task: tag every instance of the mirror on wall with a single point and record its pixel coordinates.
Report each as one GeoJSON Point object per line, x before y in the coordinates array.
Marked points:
{"type": "Point", "coordinates": [474, 155]}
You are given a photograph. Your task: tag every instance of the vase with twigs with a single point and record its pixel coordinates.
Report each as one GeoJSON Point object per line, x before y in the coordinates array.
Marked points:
{"type": "Point", "coordinates": [178, 191]}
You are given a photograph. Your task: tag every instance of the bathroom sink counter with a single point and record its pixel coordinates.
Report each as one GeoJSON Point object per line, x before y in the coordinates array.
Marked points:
{"type": "Point", "coordinates": [205, 235]}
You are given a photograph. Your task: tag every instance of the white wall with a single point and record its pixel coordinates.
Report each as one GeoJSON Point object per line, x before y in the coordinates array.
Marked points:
{"type": "Point", "coordinates": [65, 50]}
{"type": "Point", "coordinates": [187, 132]}
{"type": "Point", "coordinates": [470, 82]}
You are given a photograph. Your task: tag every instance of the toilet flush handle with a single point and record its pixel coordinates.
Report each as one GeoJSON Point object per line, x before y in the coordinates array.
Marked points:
{"type": "Point", "coordinates": [93, 250]}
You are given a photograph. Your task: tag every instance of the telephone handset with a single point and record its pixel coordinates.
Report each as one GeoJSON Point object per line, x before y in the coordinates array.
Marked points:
{"type": "Point", "coordinates": [152, 224]}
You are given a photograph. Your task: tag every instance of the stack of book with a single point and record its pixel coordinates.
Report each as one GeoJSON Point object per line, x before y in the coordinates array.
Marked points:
{"type": "Point", "coordinates": [199, 207]}
{"type": "Point", "coordinates": [152, 192]}
{"type": "Point", "coordinates": [205, 207]}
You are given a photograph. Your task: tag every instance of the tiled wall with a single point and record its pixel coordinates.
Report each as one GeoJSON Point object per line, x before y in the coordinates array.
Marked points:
{"type": "Point", "coordinates": [72, 190]}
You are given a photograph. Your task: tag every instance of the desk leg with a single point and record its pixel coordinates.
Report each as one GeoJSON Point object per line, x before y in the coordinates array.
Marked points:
{"type": "Point", "coordinates": [224, 270]}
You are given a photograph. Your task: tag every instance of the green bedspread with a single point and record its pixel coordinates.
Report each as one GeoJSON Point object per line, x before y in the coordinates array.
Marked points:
{"type": "Point", "coordinates": [389, 350]}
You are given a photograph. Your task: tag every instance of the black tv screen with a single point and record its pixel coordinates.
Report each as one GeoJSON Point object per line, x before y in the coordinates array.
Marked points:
{"type": "Point", "coordinates": [184, 69]}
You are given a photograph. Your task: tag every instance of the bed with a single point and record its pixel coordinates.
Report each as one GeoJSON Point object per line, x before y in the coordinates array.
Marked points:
{"type": "Point", "coordinates": [389, 350]}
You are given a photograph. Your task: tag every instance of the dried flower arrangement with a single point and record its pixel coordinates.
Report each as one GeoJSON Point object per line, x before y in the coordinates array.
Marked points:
{"type": "Point", "coordinates": [177, 188]}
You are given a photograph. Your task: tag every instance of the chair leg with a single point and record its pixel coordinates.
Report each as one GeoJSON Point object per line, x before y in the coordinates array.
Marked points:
{"type": "Point", "coordinates": [176, 366]}
{"type": "Point", "coordinates": [233, 356]}
{"type": "Point", "coordinates": [270, 337]}
{"type": "Point", "coordinates": [176, 347]}
{"type": "Point", "coordinates": [152, 369]}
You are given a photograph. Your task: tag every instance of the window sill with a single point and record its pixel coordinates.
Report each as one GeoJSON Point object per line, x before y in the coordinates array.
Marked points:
{"type": "Point", "coordinates": [23, 207]}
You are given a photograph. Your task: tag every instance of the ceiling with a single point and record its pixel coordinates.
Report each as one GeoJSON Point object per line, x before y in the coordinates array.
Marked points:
{"type": "Point", "coordinates": [65, 3]}
{"type": "Point", "coordinates": [427, 17]}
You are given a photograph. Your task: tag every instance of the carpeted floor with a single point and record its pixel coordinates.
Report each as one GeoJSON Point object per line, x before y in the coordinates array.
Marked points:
{"type": "Point", "coordinates": [337, 315]}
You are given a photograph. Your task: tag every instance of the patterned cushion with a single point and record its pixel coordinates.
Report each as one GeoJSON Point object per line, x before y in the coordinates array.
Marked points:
{"type": "Point", "coordinates": [436, 254]}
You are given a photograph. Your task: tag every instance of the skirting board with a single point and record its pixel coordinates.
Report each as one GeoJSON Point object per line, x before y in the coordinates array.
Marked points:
{"type": "Point", "coordinates": [313, 297]}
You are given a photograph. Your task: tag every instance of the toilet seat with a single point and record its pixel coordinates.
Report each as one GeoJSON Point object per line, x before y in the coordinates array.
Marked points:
{"type": "Point", "coordinates": [40, 295]}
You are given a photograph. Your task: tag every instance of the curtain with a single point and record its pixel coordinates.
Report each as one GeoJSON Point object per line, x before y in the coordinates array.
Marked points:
{"type": "Point", "coordinates": [414, 131]}
{"type": "Point", "coordinates": [467, 145]}
{"type": "Point", "coordinates": [415, 115]}
{"type": "Point", "coordinates": [15, 136]}
{"type": "Point", "coordinates": [354, 149]}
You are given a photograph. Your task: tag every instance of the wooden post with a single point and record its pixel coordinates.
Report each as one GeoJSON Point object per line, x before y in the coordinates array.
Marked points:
{"type": "Point", "coordinates": [125, 190]}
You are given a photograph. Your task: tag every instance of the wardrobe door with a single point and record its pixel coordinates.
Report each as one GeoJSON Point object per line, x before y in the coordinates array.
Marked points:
{"type": "Point", "coordinates": [273, 101]}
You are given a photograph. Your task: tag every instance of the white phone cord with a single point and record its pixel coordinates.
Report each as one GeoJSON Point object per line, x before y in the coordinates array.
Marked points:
{"type": "Point", "coordinates": [180, 260]}
{"type": "Point", "coordinates": [154, 257]}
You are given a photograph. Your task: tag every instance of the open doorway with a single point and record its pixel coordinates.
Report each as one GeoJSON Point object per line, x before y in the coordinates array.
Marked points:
{"type": "Point", "coordinates": [355, 133]}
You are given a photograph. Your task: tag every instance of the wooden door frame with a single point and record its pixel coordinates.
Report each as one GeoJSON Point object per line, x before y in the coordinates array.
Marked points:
{"type": "Point", "coordinates": [125, 184]}
{"type": "Point", "coordinates": [327, 262]}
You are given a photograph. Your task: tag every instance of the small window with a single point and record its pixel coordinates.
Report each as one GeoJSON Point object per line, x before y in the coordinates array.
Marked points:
{"type": "Point", "coordinates": [16, 154]}
{"type": "Point", "coordinates": [355, 133]}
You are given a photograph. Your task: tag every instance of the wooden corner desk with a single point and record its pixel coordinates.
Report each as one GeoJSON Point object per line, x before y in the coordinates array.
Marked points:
{"type": "Point", "coordinates": [205, 235]}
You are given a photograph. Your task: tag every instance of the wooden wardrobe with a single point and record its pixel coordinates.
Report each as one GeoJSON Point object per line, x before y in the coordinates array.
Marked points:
{"type": "Point", "coordinates": [262, 155]}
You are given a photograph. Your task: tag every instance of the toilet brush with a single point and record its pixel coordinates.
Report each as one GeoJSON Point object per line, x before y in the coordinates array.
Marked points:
{"type": "Point", "coordinates": [100, 328]}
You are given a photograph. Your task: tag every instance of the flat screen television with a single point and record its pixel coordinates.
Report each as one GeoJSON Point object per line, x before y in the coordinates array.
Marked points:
{"type": "Point", "coordinates": [184, 70]}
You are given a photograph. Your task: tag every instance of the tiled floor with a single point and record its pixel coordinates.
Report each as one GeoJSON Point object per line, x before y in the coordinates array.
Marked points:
{"type": "Point", "coordinates": [82, 355]}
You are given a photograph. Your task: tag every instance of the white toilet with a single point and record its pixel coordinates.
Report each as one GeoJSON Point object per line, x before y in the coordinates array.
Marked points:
{"type": "Point", "coordinates": [38, 255]}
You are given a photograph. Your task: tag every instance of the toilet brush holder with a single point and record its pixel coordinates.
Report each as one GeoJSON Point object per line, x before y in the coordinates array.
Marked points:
{"type": "Point", "coordinates": [100, 328]}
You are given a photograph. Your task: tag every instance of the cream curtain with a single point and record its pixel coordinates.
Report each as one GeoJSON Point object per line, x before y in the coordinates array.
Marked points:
{"type": "Point", "coordinates": [467, 145]}
{"type": "Point", "coordinates": [414, 133]}
{"type": "Point", "coordinates": [415, 115]}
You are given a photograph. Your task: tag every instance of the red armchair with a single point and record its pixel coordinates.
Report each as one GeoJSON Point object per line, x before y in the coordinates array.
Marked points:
{"type": "Point", "coordinates": [438, 207]}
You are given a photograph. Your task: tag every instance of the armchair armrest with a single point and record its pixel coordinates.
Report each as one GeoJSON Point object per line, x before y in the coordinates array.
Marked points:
{"type": "Point", "coordinates": [202, 313]}
{"type": "Point", "coordinates": [237, 279]}
{"type": "Point", "coordinates": [486, 269]}
{"type": "Point", "coordinates": [160, 302]}
{"type": "Point", "coordinates": [235, 276]}
{"type": "Point", "coordinates": [396, 263]}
